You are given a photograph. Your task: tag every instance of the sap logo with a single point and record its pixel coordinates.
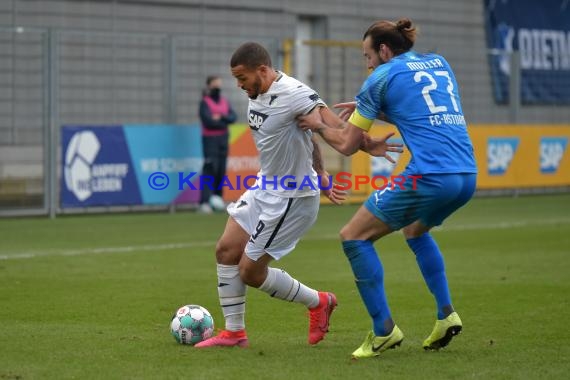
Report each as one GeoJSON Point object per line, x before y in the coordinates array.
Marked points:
{"type": "Point", "coordinates": [551, 152]}
{"type": "Point", "coordinates": [256, 119]}
{"type": "Point", "coordinates": [379, 166]}
{"type": "Point", "coordinates": [500, 153]}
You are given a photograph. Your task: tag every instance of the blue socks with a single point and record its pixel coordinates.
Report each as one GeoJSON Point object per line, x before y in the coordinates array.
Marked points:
{"type": "Point", "coordinates": [431, 264]}
{"type": "Point", "coordinates": [369, 275]}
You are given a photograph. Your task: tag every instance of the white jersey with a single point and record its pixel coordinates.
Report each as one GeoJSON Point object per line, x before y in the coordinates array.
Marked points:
{"type": "Point", "coordinates": [285, 151]}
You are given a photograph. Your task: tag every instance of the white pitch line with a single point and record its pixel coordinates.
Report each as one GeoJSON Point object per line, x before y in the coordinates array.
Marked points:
{"type": "Point", "coordinates": [94, 251]}
{"type": "Point", "coordinates": [170, 246]}
{"type": "Point", "coordinates": [503, 225]}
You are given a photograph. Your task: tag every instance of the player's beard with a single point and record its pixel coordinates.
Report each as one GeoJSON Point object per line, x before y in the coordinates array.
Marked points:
{"type": "Point", "coordinates": [380, 61]}
{"type": "Point", "coordinates": [256, 88]}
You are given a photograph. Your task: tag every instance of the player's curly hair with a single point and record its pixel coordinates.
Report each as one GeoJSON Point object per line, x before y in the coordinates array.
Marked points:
{"type": "Point", "coordinates": [399, 36]}
{"type": "Point", "coordinates": [251, 55]}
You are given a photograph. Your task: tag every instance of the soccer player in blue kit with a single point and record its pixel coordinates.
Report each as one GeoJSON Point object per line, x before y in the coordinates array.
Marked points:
{"type": "Point", "coordinates": [418, 93]}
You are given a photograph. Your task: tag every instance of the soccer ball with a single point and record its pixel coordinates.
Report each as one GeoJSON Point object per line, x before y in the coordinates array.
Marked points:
{"type": "Point", "coordinates": [192, 324]}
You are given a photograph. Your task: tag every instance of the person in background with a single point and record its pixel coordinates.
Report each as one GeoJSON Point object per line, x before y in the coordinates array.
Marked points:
{"type": "Point", "coordinates": [216, 114]}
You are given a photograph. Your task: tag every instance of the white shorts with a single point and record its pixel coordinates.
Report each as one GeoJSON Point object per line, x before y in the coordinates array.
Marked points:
{"type": "Point", "coordinates": [275, 223]}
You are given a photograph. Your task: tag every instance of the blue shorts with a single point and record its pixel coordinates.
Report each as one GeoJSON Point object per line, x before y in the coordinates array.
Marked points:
{"type": "Point", "coordinates": [431, 199]}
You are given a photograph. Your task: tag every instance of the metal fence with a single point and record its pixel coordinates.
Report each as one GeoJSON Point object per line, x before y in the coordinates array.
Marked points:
{"type": "Point", "coordinates": [53, 77]}
{"type": "Point", "coordinates": [66, 77]}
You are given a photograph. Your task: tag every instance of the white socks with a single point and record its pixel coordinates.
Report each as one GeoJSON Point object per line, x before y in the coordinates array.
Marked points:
{"type": "Point", "coordinates": [280, 284]}
{"type": "Point", "coordinates": [231, 291]}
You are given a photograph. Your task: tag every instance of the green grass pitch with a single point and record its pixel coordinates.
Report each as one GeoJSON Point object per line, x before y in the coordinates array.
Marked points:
{"type": "Point", "coordinates": [91, 297]}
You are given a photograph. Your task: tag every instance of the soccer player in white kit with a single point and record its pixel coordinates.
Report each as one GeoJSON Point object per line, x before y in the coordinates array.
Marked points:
{"type": "Point", "coordinates": [268, 220]}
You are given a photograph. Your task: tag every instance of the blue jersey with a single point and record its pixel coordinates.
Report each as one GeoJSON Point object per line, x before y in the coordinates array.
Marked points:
{"type": "Point", "coordinates": [418, 93]}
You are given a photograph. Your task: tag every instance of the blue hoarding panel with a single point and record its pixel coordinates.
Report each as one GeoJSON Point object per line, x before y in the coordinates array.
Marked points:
{"type": "Point", "coordinates": [158, 154]}
{"type": "Point", "coordinates": [127, 165]}
{"type": "Point", "coordinates": [96, 168]}
{"type": "Point", "coordinates": [540, 32]}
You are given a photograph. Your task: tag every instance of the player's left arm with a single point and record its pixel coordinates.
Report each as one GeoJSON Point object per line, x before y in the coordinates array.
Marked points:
{"type": "Point", "coordinates": [307, 105]}
{"type": "Point", "coordinates": [347, 108]}
{"type": "Point", "coordinates": [333, 191]}
{"type": "Point", "coordinates": [336, 132]}
{"type": "Point", "coordinates": [347, 137]}
{"type": "Point", "coordinates": [344, 136]}
{"type": "Point", "coordinates": [317, 157]}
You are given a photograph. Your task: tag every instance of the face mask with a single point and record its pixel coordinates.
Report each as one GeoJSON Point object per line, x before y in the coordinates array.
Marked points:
{"type": "Point", "coordinates": [215, 93]}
